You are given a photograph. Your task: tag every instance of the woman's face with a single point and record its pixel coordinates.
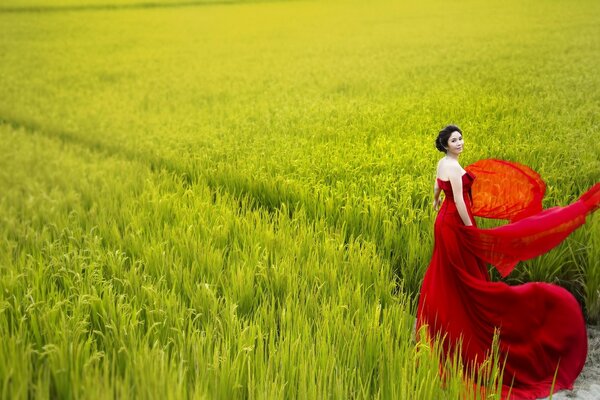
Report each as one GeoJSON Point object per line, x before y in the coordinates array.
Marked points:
{"type": "Point", "coordinates": [455, 143]}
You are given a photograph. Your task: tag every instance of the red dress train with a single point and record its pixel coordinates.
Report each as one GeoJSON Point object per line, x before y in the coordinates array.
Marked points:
{"type": "Point", "coordinates": [541, 325]}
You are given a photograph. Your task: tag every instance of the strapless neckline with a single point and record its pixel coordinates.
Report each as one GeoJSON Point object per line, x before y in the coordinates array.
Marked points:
{"type": "Point", "coordinates": [462, 177]}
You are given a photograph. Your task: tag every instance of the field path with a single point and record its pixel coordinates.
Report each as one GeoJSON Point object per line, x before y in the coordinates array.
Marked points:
{"type": "Point", "coordinates": [587, 386]}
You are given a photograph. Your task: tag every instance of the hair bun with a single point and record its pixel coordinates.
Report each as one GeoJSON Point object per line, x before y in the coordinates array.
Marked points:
{"type": "Point", "coordinates": [438, 145]}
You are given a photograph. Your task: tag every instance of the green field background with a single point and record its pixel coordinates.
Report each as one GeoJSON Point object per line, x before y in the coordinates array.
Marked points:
{"type": "Point", "coordinates": [234, 200]}
{"type": "Point", "coordinates": [18, 6]}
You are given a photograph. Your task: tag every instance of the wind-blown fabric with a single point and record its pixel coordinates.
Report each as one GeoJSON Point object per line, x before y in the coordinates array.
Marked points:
{"type": "Point", "coordinates": [541, 325]}
{"type": "Point", "coordinates": [505, 190]}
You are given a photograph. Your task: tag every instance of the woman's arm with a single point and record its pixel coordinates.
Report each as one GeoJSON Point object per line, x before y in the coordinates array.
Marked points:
{"type": "Point", "coordinates": [455, 175]}
{"type": "Point", "coordinates": [436, 195]}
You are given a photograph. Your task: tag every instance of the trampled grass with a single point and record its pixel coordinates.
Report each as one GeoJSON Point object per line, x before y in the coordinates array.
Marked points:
{"type": "Point", "coordinates": [234, 200]}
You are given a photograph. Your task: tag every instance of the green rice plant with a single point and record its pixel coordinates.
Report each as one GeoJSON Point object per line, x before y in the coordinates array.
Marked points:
{"type": "Point", "coordinates": [591, 275]}
{"type": "Point", "coordinates": [240, 312]}
{"type": "Point", "coordinates": [194, 211]}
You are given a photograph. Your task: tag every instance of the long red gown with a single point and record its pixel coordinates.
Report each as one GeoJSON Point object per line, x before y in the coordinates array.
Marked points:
{"type": "Point", "coordinates": [541, 325]}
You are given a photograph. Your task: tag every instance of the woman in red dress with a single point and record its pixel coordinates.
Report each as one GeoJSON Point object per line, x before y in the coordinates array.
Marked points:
{"type": "Point", "coordinates": [542, 333]}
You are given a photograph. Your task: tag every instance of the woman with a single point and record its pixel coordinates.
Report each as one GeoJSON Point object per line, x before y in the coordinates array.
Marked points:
{"type": "Point", "coordinates": [541, 326]}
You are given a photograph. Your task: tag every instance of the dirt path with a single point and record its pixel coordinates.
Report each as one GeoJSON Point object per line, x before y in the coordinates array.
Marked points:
{"type": "Point", "coordinates": [587, 386]}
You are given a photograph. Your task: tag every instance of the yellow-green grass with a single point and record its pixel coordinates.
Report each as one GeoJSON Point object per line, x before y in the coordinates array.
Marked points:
{"type": "Point", "coordinates": [219, 200]}
{"type": "Point", "coordinates": [120, 281]}
{"type": "Point", "coordinates": [43, 6]}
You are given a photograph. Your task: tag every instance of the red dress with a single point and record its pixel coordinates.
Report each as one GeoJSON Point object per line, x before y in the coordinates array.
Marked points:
{"type": "Point", "coordinates": [540, 324]}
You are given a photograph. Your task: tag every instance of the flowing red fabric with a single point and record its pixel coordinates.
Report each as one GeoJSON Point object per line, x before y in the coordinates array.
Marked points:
{"type": "Point", "coordinates": [505, 190]}
{"type": "Point", "coordinates": [541, 325]}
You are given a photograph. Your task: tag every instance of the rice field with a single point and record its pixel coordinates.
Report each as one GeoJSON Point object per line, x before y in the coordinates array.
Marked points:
{"type": "Point", "coordinates": [233, 200]}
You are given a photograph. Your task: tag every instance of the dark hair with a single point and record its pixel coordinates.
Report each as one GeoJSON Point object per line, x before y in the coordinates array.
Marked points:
{"type": "Point", "coordinates": [442, 139]}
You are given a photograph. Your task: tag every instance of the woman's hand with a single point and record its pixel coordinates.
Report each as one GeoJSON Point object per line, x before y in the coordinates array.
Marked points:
{"type": "Point", "coordinates": [436, 204]}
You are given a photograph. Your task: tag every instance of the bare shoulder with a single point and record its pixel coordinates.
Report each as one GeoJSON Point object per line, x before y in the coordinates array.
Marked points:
{"type": "Point", "coordinates": [447, 169]}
